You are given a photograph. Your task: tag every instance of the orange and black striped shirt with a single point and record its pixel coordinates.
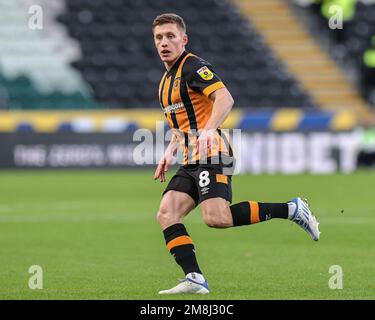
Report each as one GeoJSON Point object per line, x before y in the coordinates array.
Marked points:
{"type": "Point", "coordinates": [184, 98]}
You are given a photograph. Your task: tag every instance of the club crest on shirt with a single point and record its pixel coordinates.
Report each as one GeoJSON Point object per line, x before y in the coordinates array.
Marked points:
{"type": "Point", "coordinates": [176, 83]}
{"type": "Point", "coordinates": [205, 73]}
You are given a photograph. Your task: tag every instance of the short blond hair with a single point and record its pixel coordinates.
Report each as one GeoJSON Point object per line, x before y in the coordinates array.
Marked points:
{"type": "Point", "coordinates": [169, 18]}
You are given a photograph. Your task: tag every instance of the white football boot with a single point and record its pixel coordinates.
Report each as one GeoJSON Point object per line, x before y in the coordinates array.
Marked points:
{"type": "Point", "coordinates": [303, 216]}
{"type": "Point", "coordinates": [189, 286]}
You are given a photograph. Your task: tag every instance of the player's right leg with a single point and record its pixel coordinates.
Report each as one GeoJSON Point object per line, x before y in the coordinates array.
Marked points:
{"type": "Point", "coordinates": [218, 214]}
{"type": "Point", "coordinates": [215, 194]}
{"type": "Point", "coordinates": [174, 206]}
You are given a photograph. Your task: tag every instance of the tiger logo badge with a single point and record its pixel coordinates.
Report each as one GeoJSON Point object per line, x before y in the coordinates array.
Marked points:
{"type": "Point", "coordinates": [176, 83]}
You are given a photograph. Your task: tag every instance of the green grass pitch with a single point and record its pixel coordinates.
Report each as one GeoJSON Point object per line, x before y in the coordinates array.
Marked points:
{"type": "Point", "coordinates": [95, 235]}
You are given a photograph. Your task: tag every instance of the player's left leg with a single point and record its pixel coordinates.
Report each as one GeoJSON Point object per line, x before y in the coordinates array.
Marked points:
{"type": "Point", "coordinates": [175, 205]}
{"type": "Point", "coordinates": [179, 198]}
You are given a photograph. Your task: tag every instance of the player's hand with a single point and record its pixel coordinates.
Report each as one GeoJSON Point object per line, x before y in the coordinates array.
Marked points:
{"type": "Point", "coordinates": [204, 143]}
{"type": "Point", "coordinates": [163, 167]}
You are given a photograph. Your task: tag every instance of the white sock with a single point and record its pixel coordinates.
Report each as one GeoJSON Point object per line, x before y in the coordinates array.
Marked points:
{"type": "Point", "coordinates": [291, 208]}
{"type": "Point", "coordinates": [197, 277]}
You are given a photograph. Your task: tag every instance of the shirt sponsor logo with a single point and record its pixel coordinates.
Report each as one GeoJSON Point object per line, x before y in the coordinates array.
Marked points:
{"type": "Point", "coordinates": [205, 73]}
{"type": "Point", "coordinates": [172, 108]}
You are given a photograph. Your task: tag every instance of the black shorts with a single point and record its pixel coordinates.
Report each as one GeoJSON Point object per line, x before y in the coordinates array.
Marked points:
{"type": "Point", "coordinates": [202, 182]}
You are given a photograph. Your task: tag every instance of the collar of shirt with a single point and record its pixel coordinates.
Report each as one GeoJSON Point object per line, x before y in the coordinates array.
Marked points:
{"type": "Point", "coordinates": [176, 64]}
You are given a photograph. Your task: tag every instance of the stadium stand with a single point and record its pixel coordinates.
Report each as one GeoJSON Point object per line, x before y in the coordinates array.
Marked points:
{"type": "Point", "coordinates": [349, 48]}
{"type": "Point", "coordinates": [96, 53]}
{"type": "Point", "coordinates": [121, 64]}
{"type": "Point", "coordinates": [325, 80]}
{"type": "Point", "coordinates": [35, 71]}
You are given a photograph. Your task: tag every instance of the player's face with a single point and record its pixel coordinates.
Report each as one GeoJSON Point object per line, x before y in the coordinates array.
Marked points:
{"type": "Point", "coordinates": [170, 42]}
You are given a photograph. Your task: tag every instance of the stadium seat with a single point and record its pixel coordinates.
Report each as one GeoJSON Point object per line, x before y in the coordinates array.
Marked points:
{"type": "Point", "coordinates": [107, 51]}
{"type": "Point", "coordinates": [118, 51]}
{"type": "Point", "coordinates": [348, 52]}
{"type": "Point", "coordinates": [36, 64]}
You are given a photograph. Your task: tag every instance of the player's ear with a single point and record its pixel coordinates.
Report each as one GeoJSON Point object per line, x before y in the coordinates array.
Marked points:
{"type": "Point", "coordinates": [185, 39]}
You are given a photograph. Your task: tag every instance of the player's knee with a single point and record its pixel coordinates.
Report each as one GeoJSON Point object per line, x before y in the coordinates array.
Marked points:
{"type": "Point", "coordinates": [214, 219]}
{"type": "Point", "coordinates": [165, 217]}
{"type": "Point", "coordinates": [211, 222]}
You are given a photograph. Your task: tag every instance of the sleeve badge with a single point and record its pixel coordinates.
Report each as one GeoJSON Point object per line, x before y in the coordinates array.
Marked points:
{"type": "Point", "coordinates": [205, 73]}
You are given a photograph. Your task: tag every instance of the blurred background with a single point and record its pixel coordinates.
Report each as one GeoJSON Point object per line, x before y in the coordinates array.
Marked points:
{"type": "Point", "coordinates": [78, 77]}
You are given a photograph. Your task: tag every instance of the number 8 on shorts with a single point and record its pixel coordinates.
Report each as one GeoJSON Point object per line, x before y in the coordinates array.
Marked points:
{"type": "Point", "coordinates": [204, 179]}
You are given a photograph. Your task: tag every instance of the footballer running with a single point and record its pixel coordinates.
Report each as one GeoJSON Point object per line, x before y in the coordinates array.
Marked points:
{"type": "Point", "coordinates": [195, 102]}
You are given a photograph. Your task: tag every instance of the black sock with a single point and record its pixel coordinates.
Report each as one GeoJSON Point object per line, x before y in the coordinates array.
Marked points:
{"type": "Point", "coordinates": [181, 247]}
{"type": "Point", "coordinates": [251, 212]}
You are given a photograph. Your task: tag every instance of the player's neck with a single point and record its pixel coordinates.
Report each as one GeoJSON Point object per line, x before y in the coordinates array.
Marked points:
{"type": "Point", "coordinates": [169, 65]}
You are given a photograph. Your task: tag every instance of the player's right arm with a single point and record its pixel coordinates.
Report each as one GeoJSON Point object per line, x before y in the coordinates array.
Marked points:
{"type": "Point", "coordinates": [167, 159]}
